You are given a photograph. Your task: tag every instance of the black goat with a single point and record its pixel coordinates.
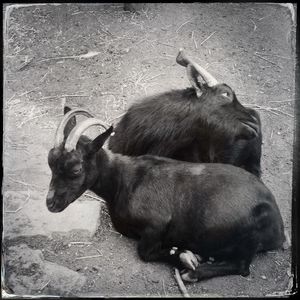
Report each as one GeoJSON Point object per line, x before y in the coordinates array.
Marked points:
{"type": "Point", "coordinates": [173, 208]}
{"type": "Point", "coordinates": [205, 123]}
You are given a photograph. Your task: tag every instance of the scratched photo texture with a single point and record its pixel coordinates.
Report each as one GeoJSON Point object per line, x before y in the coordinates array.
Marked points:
{"type": "Point", "coordinates": [105, 57]}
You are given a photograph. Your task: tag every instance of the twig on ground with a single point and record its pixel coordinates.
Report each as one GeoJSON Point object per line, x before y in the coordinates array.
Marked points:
{"type": "Point", "coordinates": [80, 243]}
{"type": "Point", "coordinates": [155, 76]}
{"type": "Point", "coordinates": [21, 207]}
{"type": "Point", "coordinates": [281, 101]}
{"type": "Point", "coordinates": [165, 44]}
{"type": "Point", "coordinates": [181, 284]}
{"type": "Point", "coordinates": [266, 109]}
{"type": "Point", "coordinates": [107, 93]}
{"type": "Point", "coordinates": [58, 58]}
{"type": "Point", "coordinates": [105, 30]}
{"type": "Point", "coordinates": [194, 40]}
{"type": "Point", "coordinates": [163, 284]}
{"type": "Point", "coordinates": [140, 78]}
{"type": "Point", "coordinates": [44, 76]}
{"type": "Point", "coordinates": [264, 17]}
{"type": "Point", "coordinates": [62, 96]}
{"type": "Point", "coordinates": [27, 92]}
{"type": "Point", "coordinates": [283, 112]}
{"type": "Point", "coordinates": [271, 62]}
{"type": "Point", "coordinates": [17, 52]}
{"type": "Point", "coordinates": [254, 25]}
{"type": "Point", "coordinates": [91, 256]}
{"type": "Point", "coordinates": [94, 197]}
{"type": "Point", "coordinates": [208, 38]}
{"type": "Point", "coordinates": [30, 119]}
{"type": "Point", "coordinates": [44, 285]}
{"type": "Point", "coordinates": [49, 97]}
{"type": "Point", "coordinates": [87, 55]}
{"type": "Point", "coordinates": [74, 95]}
{"type": "Point", "coordinates": [97, 250]}
{"type": "Point", "coordinates": [168, 55]}
{"type": "Point", "coordinates": [7, 102]}
{"type": "Point", "coordinates": [183, 25]}
{"type": "Point", "coordinates": [22, 182]}
{"type": "Point", "coordinates": [272, 54]}
{"type": "Point", "coordinates": [142, 40]}
{"type": "Point", "coordinates": [115, 232]}
{"type": "Point", "coordinates": [75, 38]}
{"type": "Point", "coordinates": [25, 64]}
{"type": "Point", "coordinates": [273, 110]}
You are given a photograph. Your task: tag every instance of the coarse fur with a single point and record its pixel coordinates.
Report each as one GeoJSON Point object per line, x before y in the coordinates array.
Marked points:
{"type": "Point", "coordinates": [215, 128]}
{"type": "Point", "coordinates": [213, 210]}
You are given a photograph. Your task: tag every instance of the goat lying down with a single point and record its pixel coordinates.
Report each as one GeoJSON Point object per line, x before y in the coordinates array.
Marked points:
{"type": "Point", "coordinates": [205, 123]}
{"type": "Point", "coordinates": [177, 210]}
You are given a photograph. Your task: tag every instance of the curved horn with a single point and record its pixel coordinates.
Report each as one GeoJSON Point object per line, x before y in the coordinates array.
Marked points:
{"type": "Point", "coordinates": [184, 61]}
{"type": "Point", "coordinates": [192, 77]}
{"type": "Point", "coordinates": [76, 132]}
{"type": "Point", "coordinates": [59, 136]}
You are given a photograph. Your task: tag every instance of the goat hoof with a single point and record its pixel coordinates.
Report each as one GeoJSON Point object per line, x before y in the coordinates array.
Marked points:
{"type": "Point", "coordinates": [189, 259]}
{"type": "Point", "coordinates": [189, 276]}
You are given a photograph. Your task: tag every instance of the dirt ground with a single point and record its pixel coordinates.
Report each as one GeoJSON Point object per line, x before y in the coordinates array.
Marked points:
{"type": "Point", "coordinates": [249, 46]}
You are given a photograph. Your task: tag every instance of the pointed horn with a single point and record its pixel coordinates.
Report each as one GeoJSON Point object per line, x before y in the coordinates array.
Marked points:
{"type": "Point", "coordinates": [76, 132]}
{"type": "Point", "coordinates": [184, 61]}
{"type": "Point", "coordinates": [59, 136]}
{"type": "Point", "coordinates": [192, 77]}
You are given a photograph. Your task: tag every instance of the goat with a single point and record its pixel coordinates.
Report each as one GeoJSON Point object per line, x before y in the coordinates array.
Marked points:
{"type": "Point", "coordinates": [176, 210]}
{"type": "Point", "coordinates": [205, 123]}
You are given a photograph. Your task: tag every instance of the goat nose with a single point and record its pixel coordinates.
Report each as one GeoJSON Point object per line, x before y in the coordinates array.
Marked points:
{"type": "Point", "coordinates": [50, 195]}
{"type": "Point", "coordinates": [254, 118]}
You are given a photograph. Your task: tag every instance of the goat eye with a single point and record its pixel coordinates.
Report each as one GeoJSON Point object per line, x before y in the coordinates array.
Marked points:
{"type": "Point", "coordinates": [76, 171]}
{"type": "Point", "coordinates": [226, 94]}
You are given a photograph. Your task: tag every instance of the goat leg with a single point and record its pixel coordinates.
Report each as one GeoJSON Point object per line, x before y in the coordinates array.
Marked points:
{"type": "Point", "coordinates": [151, 248]}
{"type": "Point", "coordinates": [209, 270]}
{"type": "Point", "coordinates": [189, 259]}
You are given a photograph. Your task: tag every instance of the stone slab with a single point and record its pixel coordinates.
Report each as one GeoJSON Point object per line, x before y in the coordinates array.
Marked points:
{"type": "Point", "coordinates": [27, 273]}
{"type": "Point", "coordinates": [25, 214]}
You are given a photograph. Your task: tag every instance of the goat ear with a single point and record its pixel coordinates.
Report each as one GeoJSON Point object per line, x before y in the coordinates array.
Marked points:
{"type": "Point", "coordinates": [67, 109]}
{"type": "Point", "coordinates": [98, 142]}
{"type": "Point", "coordinates": [71, 123]}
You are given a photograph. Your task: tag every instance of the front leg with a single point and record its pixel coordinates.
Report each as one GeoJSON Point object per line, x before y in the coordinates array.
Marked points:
{"type": "Point", "coordinates": [209, 270]}
{"type": "Point", "coordinates": [151, 248]}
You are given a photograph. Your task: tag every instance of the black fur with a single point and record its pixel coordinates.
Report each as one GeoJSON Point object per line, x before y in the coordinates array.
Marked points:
{"type": "Point", "coordinates": [215, 210]}
{"type": "Point", "coordinates": [181, 126]}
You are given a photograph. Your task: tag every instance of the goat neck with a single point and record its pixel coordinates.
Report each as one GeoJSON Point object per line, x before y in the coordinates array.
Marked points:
{"type": "Point", "coordinates": [112, 175]}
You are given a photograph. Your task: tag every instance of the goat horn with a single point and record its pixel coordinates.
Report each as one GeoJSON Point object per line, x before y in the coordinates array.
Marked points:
{"type": "Point", "coordinates": [192, 77]}
{"type": "Point", "coordinates": [76, 132]}
{"type": "Point", "coordinates": [184, 61]}
{"type": "Point", "coordinates": [59, 136]}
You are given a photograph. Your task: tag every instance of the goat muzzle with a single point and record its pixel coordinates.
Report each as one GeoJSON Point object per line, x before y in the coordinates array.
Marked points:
{"type": "Point", "coordinates": [50, 199]}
